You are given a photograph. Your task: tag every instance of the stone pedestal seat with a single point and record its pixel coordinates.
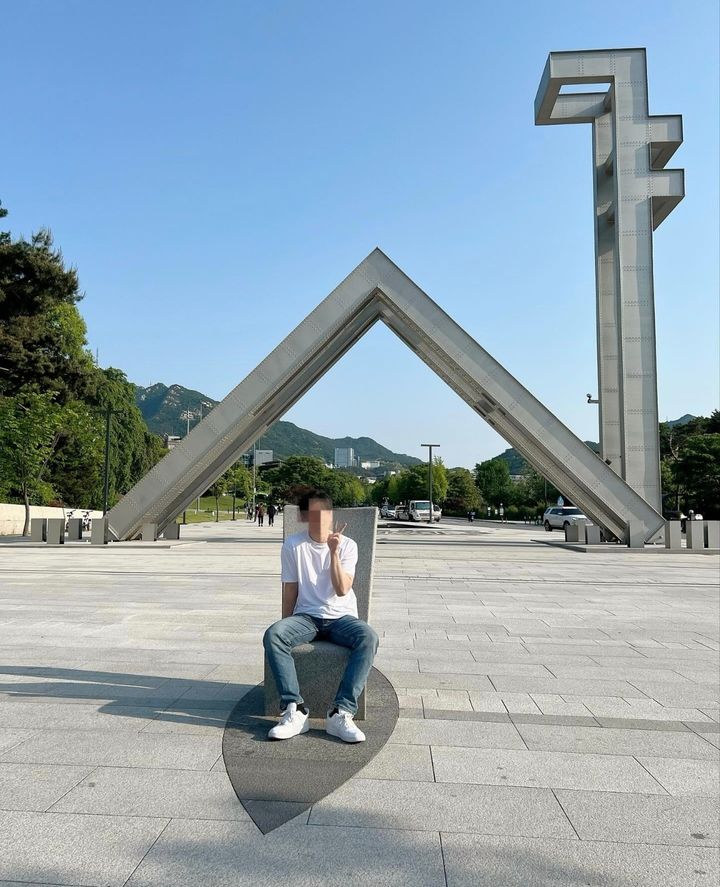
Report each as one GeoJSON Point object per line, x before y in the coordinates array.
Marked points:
{"type": "Point", "coordinates": [320, 664]}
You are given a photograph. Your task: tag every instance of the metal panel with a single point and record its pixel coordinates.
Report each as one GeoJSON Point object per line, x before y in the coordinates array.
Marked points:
{"type": "Point", "coordinates": [633, 195]}
{"type": "Point", "coordinates": [378, 289]}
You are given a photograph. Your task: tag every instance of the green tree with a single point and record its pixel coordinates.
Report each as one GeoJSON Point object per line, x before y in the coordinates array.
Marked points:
{"type": "Point", "coordinates": [412, 483]}
{"type": "Point", "coordinates": [42, 335]}
{"type": "Point", "coordinates": [299, 473]}
{"type": "Point", "coordinates": [379, 490]}
{"type": "Point", "coordinates": [218, 489]}
{"type": "Point", "coordinates": [239, 480]}
{"type": "Point", "coordinates": [295, 473]}
{"type": "Point", "coordinates": [492, 479]}
{"type": "Point", "coordinates": [532, 492]}
{"type": "Point", "coordinates": [30, 425]}
{"type": "Point", "coordinates": [462, 494]}
{"type": "Point", "coordinates": [133, 449]}
{"type": "Point", "coordinates": [697, 472]}
{"type": "Point", "coordinates": [345, 489]}
{"type": "Point", "coordinates": [76, 465]}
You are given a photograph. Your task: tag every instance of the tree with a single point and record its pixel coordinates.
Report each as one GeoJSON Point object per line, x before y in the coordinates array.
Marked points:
{"type": "Point", "coordinates": [296, 473]}
{"type": "Point", "coordinates": [300, 473]}
{"type": "Point", "coordinates": [698, 474]}
{"type": "Point", "coordinates": [239, 480]}
{"type": "Point", "coordinates": [462, 494]}
{"type": "Point", "coordinates": [133, 449]}
{"type": "Point", "coordinates": [345, 489]}
{"type": "Point", "coordinates": [413, 482]}
{"type": "Point", "coordinates": [75, 467]}
{"type": "Point", "coordinates": [42, 335]}
{"type": "Point", "coordinates": [492, 479]}
{"type": "Point", "coordinates": [379, 491]}
{"type": "Point", "coordinates": [218, 489]}
{"type": "Point", "coordinates": [29, 429]}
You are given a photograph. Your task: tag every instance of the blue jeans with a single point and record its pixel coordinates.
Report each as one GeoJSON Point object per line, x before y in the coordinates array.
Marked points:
{"type": "Point", "coordinates": [347, 631]}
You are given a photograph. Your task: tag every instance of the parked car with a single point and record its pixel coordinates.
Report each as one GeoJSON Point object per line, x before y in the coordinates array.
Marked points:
{"type": "Point", "coordinates": [557, 518]}
{"type": "Point", "coordinates": [387, 511]}
{"type": "Point", "coordinates": [417, 510]}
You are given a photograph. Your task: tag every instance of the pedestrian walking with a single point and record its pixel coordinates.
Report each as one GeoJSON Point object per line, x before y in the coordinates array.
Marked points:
{"type": "Point", "coordinates": [272, 511]}
{"type": "Point", "coordinates": [260, 515]}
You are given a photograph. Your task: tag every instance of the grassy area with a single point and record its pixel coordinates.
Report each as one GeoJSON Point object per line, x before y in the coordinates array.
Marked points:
{"type": "Point", "coordinates": [206, 510]}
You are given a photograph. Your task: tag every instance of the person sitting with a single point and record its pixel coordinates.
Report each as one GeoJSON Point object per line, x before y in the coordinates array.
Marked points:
{"type": "Point", "coordinates": [318, 601]}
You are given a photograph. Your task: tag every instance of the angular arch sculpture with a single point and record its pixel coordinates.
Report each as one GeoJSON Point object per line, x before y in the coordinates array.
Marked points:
{"type": "Point", "coordinates": [378, 290]}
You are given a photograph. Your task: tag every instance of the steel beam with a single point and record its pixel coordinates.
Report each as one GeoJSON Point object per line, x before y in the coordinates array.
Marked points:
{"type": "Point", "coordinates": [378, 290]}
{"type": "Point", "coordinates": [633, 195]}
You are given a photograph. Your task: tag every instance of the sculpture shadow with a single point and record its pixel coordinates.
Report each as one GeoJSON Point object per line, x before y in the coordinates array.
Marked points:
{"type": "Point", "coordinates": [276, 781]}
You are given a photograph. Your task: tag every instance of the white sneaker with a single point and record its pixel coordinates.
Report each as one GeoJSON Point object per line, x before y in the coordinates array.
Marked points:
{"type": "Point", "coordinates": [292, 722]}
{"type": "Point", "coordinates": [341, 724]}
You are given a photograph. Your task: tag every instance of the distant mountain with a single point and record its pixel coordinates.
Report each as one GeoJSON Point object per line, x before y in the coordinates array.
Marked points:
{"type": "Point", "coordinates": [165, 412]}
{"type": "Point", "coordinates": [683, 420]}
{"type": "Point", "coordinates": [518, 465]}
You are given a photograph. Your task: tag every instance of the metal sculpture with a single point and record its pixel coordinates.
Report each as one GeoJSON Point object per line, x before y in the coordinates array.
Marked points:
{"type": "Point", "coordinates": [633, 194]}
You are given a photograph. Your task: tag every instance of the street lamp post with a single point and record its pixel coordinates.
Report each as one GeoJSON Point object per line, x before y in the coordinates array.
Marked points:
{"type": "Point", "coordinates": [430, 449]}
{"type": "Point", "coordinates": [254, 480]}
{"type": "Point", "coordinates": [106, 470]}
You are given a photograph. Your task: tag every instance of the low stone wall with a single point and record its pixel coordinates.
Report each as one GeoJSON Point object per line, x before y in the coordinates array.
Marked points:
{"type": "Point", "coordinates": [12, 517]}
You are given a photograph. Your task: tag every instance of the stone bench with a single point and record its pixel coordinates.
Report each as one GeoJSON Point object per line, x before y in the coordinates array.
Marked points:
{"type": "Point", "coordinates": [320, 664]}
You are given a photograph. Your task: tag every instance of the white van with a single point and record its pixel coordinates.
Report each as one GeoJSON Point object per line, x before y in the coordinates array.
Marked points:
{"type": "Point", "coordinates": [417, 510]}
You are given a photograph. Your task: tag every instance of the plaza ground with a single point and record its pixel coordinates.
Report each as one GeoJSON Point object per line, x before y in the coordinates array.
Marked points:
{"type": "Point", "coordinates": [558, 723]}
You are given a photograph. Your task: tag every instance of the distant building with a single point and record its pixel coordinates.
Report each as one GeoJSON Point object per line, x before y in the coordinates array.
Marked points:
{"type": "Point", "coordinates": [373, 463]}
{"type": "Point", "coordinates": [262, 457]}
{"type": "Point", "coordinates": [171, 441]}
{"type": "Point", "coordinates": [344, 457]}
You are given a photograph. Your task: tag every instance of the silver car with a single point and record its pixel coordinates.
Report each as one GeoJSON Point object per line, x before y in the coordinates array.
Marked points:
{"type": "Point", "coordinates": [558, 518]}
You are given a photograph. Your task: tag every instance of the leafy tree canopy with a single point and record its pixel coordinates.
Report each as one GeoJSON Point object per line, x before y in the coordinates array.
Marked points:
{"type": "Point", "coordinates": [462, 494]}
{"type": "Point", "coordinates": [492, 479]}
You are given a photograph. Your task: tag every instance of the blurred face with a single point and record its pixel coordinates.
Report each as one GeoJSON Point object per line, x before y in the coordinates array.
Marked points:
{"type": "Point", "coordinates": [319, 517]}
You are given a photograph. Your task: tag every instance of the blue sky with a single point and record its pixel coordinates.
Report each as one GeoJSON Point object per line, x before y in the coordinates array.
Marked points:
{"type": "Point", "coordinates": [215, 169]}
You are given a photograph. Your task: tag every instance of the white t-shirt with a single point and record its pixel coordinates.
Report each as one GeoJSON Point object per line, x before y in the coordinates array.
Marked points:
{"type": "Point", "coordinates": [308, 563]}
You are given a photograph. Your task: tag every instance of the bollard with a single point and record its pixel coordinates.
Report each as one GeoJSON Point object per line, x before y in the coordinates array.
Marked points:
{"type": "Point", "coordinates": [572, 533]}
{"type": "Point", "coordinates": [74, 531]}
{"type": "Point", "coordinates": [56, 531]}
{"type": "Point", "coordinates": [172, 531]}
{"type": "Point", "coordinates": [635, 535]}
{"type": "Point", "coordinates": [149, 533]}
{"type": "Point", "coordinates": [99, 533]}
{"type": "Point", "coordinates": [592, 534]}
{"type": "Point", "coordinates": [38, 529]}
{"type": "Point", "coordinates": [695, 534]}
{"type": "Point", "coordinates": [673, 535]}
{"type": "Point", "coordinates": [712, 534]}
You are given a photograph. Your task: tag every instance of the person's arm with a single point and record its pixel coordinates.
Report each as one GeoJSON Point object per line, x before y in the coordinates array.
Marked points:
{"type": "Point", "coordinates": [289, 598]}
{"type": "Point", "coordinates": [341, 581]}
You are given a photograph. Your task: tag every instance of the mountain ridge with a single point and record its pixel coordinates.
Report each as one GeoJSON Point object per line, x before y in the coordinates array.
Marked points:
{"type": "Point", "coordinates": [165, 409]}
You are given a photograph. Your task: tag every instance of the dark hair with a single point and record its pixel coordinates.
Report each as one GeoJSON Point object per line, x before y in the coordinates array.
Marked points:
{"type": "Point", "coordinates": [309, 495]}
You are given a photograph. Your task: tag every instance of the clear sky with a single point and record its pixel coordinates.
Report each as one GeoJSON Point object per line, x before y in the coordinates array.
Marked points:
{"type": "Point", "coordinates": [214, 169]}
